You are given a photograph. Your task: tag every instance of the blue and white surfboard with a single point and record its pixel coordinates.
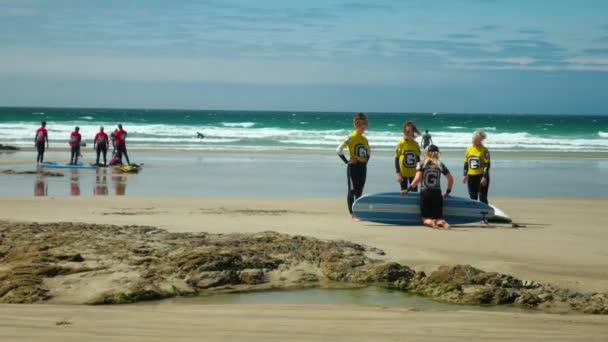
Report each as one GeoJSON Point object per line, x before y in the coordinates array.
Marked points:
{"type": "Point", "coordinates": [392, 208]}
{"type": "Point", "coordinates": [55, 165]}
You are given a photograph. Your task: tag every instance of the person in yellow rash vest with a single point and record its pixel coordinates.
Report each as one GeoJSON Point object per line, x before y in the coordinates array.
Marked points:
{"type": "Point", "coordinates": [477, 168]}
{"type": "Point", "coordinates": [407, 156]}
{"type": "Point", "coordinates": [359, 153]}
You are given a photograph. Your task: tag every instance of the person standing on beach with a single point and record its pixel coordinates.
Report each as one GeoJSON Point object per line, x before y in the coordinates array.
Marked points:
{"type": "Point", "coordinates": [477, 168]}
{"type": "Point", "coordinates": [431, 199]}
{"type": "Point", "coordinates": [100, 144]}
{"type": "Point", "coordinates": [407, 156]}
{"type": "Point", "coordinates": [121, 144]}
{"type": "Point", "coordinates": [359, 153]}
{"type": "Point", "coordinates": [41, 138]}
{"type": "Point", "coordinates": [75, 139]}
{"type": "Point", "coordinates": [426, 139]}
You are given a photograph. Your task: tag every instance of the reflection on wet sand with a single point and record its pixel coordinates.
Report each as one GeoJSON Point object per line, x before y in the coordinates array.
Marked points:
{"type": "Point", "coordinates": [40, 187]}
{"type": "Point", "coordinates": [101, 187]}
{"type": "Point", "coordinates": [101, 182]}
{"type": "Point", "coordinates": [74, 183]}
{"type": "Point", "coordinates": [120, 182]}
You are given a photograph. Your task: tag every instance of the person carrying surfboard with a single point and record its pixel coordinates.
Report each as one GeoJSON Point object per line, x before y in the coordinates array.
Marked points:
{"type": "Point", "coordinates": [75, 139]}
{"type": "Point", "coordinates": [428, 174]}
{"type": "Point", "coordinates": [41, 138]}
{"type": "Point", "coordinates": [100, 145]}
{"type": "Point", "coordinates": [407, 156]}
{"type": "Point", "coordinates": [359, 153]}
{"type": "Point", "coordinates": [477, 168]}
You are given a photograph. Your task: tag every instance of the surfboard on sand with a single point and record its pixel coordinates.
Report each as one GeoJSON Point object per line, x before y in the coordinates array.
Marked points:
{"type": "Point", "coordinates": [499, 216]}
{"type": "Point", "coordinates": [55, 165]}
{"type": "Point", "coordinates": [392, 208]}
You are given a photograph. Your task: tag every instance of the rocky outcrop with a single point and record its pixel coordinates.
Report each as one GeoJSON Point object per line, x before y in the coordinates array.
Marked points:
{"type": "Point", "coordinates": [38, 172]}
{"type": "Point", "coordinates": [8, 148]}
{"type": "Point", "coordinates": [38, 262]}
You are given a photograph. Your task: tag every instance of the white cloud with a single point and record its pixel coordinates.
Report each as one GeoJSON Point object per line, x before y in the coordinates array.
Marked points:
{"type": "Point", "coordinates": [94, 65]}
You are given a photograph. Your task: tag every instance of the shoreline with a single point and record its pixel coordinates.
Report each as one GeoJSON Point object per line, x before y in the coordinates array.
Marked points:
{"type": "Point", "coordinates": [235, 150]}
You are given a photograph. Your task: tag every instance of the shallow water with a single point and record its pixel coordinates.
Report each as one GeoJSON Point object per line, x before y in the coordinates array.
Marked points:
{"type": "Point", "coordinates": [174, 173]}
{"type": "Point", "coordinates": [369, 296]}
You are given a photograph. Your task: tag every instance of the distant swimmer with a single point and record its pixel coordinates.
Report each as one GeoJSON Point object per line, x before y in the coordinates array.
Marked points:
{"type": "Point", "coordinates": [41, 139]}
{"type": "Point", "coordinates": [200, 135]}
{"type": "Point", "coordinates": [426, 139]}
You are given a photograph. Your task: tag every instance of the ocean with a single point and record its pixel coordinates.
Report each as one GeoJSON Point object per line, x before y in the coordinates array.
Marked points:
{"type": "Point", "coordinates": [268, 130]}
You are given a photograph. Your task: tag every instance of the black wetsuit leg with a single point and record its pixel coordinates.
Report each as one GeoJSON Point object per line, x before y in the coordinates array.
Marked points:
{"type": "Point", "coordinates": [356, 174]}
{"type": "Point", "coordinates": [122, 150]}
{"type": "Point", "coordinates": [483, 191]}
{"type": "Point", "coordinates": [406, 183]}
{"type": "Point", "coordinates": [473, 184]}
{"type": "Point", "coordinates": [98, 153]}
{"type": "Point", "coordinates": [40, 148]}
{"type": "Point", "coordinates": [476, 191]}
{"type": "Point", "coordinates": [104, 151]}
{"type": "Point", "coordinates": [431, 204]}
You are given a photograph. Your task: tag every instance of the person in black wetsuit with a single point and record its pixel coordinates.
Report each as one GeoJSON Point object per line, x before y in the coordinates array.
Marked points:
{"type": "Point", "coordinates": [476, 173]}
{"type": "Point", "coordinates": [40, 140]}
{"type": "Point", "coordinates": [359, 153]}
{"type": "Point", "coordinates": [426, 139]}
{"type": "Point", "coordinates": [429, 174]}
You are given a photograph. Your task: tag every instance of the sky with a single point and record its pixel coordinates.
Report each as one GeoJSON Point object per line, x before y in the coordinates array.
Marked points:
{"type": "Point", "coordinates": [490, 56]}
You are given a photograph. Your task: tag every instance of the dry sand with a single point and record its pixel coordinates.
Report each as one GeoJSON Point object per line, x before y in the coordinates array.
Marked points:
{"type": "Point", "coordinates": [564, 244]}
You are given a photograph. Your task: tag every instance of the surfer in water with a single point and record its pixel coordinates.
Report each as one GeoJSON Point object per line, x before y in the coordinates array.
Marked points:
{"type": "Point", "coordinates": [426, 139]}
{"type": "Point", "coordinates": [200, 135]}
{"type": "Point", "coordinates": [359, 153]}
{"type": "Point", "coordinates": [429, 174]}
{"type": "Point", "coordinates": [407, 156]}
{"type": "Point", "coordinates": [75, 139]}
{"type": "Point", "coordinates": [40, 140]}
{"type": "Point", "coordinates": [477, 168]}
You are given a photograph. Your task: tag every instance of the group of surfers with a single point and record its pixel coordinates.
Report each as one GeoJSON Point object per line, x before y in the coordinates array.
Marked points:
{"type": "Point", "coordinates": [101, 144]}
{"type": "Point", "coordinates": [412, 170]}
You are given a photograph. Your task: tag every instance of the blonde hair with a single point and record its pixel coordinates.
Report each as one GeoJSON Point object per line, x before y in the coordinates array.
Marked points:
{"type": "Point", "coordinates": [432, 157]}
{"type": "Point", "coordinates": [481, 134]}
{"type": "Point", "coordinates": [360, 119]}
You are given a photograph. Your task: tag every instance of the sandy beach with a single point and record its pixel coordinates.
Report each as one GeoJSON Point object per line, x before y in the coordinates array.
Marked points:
{"type": "Point", "coordinates": [562, 244]}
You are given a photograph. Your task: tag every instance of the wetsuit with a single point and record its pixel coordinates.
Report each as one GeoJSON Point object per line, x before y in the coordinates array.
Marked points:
{"type": "Point", "coordinates": [101, 146]}
{"type": "Point", "coordinates": [121, 145]}
{"type": "Point", "coordinates": [75, 139]}
{"type": "Point", "coordinates": [40, 140]}
{"type": "Point", "coordinates": [407, 157]}
{"type": "Point", "coordinates": [356, 173]}
{"type": "Point", "coordinates": [426, 140]}
{"type": "Point", "coordinates": [476, 167]}
{"type": "Point", "coordinates": [431, 198]}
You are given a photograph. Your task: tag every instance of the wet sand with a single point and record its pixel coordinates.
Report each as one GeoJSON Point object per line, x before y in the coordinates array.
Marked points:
{"type": "Point", "coordinates": [285, 323]}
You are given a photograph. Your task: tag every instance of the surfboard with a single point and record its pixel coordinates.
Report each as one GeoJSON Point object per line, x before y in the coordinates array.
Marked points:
{"type": "Point", "coordinates": [392, 208]}
{"type": "Point", "coordinates": [499, 216]}
{"type": "Point", "coordinates": [55, 165]}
